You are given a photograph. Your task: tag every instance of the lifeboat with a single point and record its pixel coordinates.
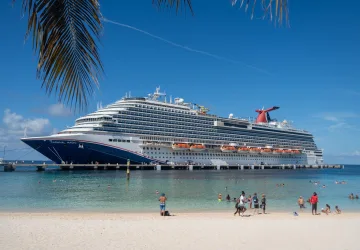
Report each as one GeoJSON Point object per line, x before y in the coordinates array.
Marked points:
{"type": "Point", "coordinates": [266, 151]}
{"type": "Point", "coordinates": [244, 150]}
{"type": "Point", "coordinates": [180, 146]}
{"type": "Point", "coordinates": [255, 150]}
{"type": "Point", "coordinates": [227, 149]}
{"type": "Point", "coordinates": [197, 147]}
{"type": "Point", "coordinates": [277, 151]}
{"type": "Point", "coordinates": [296, 151]}
{"type": "Point", "coordinates": [287, 151]}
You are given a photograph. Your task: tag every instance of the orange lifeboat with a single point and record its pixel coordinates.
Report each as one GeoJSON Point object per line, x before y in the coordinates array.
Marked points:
{"type": "Point", "coordinates": [244, 150]}
{"type": "Point", "coordinates": [197, 147]}
{"type": "Point", "coordinates": [266, 151]}
{"type": "Point", "coordinates": [277, 151]}
{"type": "Point", "coordinates": [180, 146]}
{"type": "Point", "coordinates": [287, 151]}
{"type": "Point", "coordinates": [295, 151]}
{"type": "Point", "coordinates": [255, 150]}
{"type": "Point", "coordinates": [227, 149]}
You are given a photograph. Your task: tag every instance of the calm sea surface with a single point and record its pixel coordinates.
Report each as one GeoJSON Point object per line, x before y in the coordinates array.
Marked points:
{"type": "Point", "coordinates": [109, 191]}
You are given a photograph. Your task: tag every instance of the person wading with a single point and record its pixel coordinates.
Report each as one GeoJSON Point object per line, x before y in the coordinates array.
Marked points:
{"type": "Point", "coordinates": [162, 200]}
{"type": "Point", "coordinates": [314, 201]}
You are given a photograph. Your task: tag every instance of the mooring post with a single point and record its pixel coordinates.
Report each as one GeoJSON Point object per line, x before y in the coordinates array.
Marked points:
{"type": "Point", "coordinates": [218, 167]}
{"type": "Point", "coordinates": [262, 167]}
{"type": "Point", "coordinates": [128, 169]}
{"type": "Point", "coordinates": [252, 167]}
{"type": "Point", "coordinates": [294, 167]}
{"type": "Point", "coordinates": [242, 167]}
{"type": "Point", "coordinates": [191, 167]}
{"type": "Point", "coordinates": [158, 167]}
{"type": "Point", "coordinates": [117, 165]}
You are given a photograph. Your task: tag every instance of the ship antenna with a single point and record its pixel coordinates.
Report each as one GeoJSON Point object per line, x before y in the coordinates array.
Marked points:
{"type": "Point", "coordinates": [129, 94]}
{"type": "Point", "coordinates": [170, 99]}
{"type": "Point", "coordinates": [25, 134]}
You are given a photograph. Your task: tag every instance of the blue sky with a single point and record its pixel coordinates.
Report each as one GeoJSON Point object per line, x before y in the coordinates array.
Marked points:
{"type": "Point", "coordinates": [311, 70]}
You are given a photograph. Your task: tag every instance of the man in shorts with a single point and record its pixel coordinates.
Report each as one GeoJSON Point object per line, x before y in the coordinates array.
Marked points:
{"type": "Point", "coordinates": [314, 201]}
{"type": "Point", "coordinates": [162, 200]}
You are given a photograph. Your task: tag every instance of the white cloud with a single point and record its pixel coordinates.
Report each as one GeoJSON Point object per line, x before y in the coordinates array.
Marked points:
{"type": "Point", "coordinates": [59, 110]}
{"type": "Point", "coordinates": [16, 124]}
{"type": "Point", "coordinates": [354, 153]}
{"type": "Point", "coordinates": [339, 120]}
{"type": "Point", "coordinates": [336, 116]}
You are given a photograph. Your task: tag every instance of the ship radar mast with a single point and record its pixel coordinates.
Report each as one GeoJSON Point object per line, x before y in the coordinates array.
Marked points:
{"type": "Point", "coordinates": [202, 109]}
{"type": "Point", "coordinates": [156, 94]}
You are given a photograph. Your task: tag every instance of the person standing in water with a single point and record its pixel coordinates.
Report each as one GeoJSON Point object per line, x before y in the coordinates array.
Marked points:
{"type": "Point", "coordinates": [219, 197]}
{"type": "Point", "coordinates": [263, 203]}
{"type": "Point", "coordinates": [242, 203]}
{"type": "Point", "coordinates": [314, 201]}
{"type": "Point", "coordinates": [162, 200]}
{"type": "Point", "coordinates": [301, 203]}
{"type": "Point", "coordinates": [256, 203]}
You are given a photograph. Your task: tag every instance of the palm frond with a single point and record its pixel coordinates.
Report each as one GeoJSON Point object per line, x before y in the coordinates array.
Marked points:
{"type": "Point", "coordinates": [65, 34]}
{"type": "Point", "coordinates": [277, 8]}
{"type": "Point", "coordinates": [179, 4]}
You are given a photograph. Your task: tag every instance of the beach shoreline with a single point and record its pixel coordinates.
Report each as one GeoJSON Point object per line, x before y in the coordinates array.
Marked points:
{"type": "Point", "coordinates": [195, 230]}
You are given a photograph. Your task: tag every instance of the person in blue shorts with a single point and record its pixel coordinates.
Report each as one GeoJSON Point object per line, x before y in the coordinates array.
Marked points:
{"type": "Point", "coordinates": [162, 200]}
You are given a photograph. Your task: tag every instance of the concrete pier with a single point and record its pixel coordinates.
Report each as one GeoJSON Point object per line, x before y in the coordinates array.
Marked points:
{"type": "Point", "coordinates": [9, 167]}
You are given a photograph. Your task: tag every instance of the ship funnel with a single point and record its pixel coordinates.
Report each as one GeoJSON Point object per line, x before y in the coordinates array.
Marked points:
{"type": "Point", "coordinates": [263, 115]}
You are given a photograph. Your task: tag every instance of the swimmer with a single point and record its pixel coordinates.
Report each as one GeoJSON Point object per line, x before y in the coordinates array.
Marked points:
{"type": "Point", "coordinates": [324, 186]}
{"type": "Point", "coordinates": [228, 198]}
{"type": "Point", "coordinates": [219, 197]}
{"type": "Point", "coordinates": [357, 197]}
{"type": "Point", "coordinates": [157, 192]}
{"type": "Point", "coordinates": [351, 196]}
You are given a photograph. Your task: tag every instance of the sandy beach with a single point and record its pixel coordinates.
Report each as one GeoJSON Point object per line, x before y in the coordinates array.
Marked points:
{"type": "Point", "coordinates": [182, 231]}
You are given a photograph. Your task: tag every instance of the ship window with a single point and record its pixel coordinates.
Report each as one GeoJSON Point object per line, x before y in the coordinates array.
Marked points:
{"type": "Point", "coordinates": [128, 141]}
{"type": "Point", "coordinates": [110, 139]}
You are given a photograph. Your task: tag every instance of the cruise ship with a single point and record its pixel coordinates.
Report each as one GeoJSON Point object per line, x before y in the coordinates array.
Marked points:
{"type": "Point", "coordinates": [155, 130]}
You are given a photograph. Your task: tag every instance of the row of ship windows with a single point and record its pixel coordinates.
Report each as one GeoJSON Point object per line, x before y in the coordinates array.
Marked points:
{"type": "Point", "coordinates": [154, 108]}
{"type": "Point", "coordinates": [220, 158]}
{"type": "Point", "coordinates": [221, 140]}
{"type": "Point", "coordinates": [166, 123]}
{"type": "Point", "coordinates": [210, 131]}
{"type": "Point", "coordinates": [226, 155]}
{"type": "Point", "coordinates": [118, 140]}
{"type": "Point", "coordinates": [226, 138]}
{"type": "Point", "coordinates": [208, 120]}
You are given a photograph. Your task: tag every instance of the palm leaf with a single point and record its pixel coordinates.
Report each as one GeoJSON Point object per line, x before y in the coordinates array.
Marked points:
{"type": "Point", "coordinates": [280, 10]}
{"type": "Point", "coordinates": [65, 35]}
{"type": "Point", "coordinates": [179, 4]}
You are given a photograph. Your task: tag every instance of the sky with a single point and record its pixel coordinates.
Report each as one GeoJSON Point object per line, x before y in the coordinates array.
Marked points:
{"type": "Point", "coordinates": [219, 58]}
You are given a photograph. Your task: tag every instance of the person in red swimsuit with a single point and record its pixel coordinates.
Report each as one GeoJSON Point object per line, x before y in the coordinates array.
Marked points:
{"type": "Point", "coordinates": [314, 201]}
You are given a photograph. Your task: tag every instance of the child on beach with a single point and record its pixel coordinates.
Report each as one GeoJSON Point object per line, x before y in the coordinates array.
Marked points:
{"type": "Point", "coordinates": [326, 210]}
{"type": "Point", "coordinates": [162, 200]}
{"type": "Point", "coordinates": [337, 210]}
{"type": "Point", "coordinates": [301, 203]}
{"type": "Point", "coordinates": [250, 202]}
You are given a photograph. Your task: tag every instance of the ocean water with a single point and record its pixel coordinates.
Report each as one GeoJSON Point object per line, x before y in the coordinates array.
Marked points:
{"type": "Point", "coordinates": [110, 191]}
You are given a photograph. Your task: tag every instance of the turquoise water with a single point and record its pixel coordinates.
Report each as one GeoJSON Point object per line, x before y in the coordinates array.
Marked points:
{"type": "Point", "coordinates": [109, 191]}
